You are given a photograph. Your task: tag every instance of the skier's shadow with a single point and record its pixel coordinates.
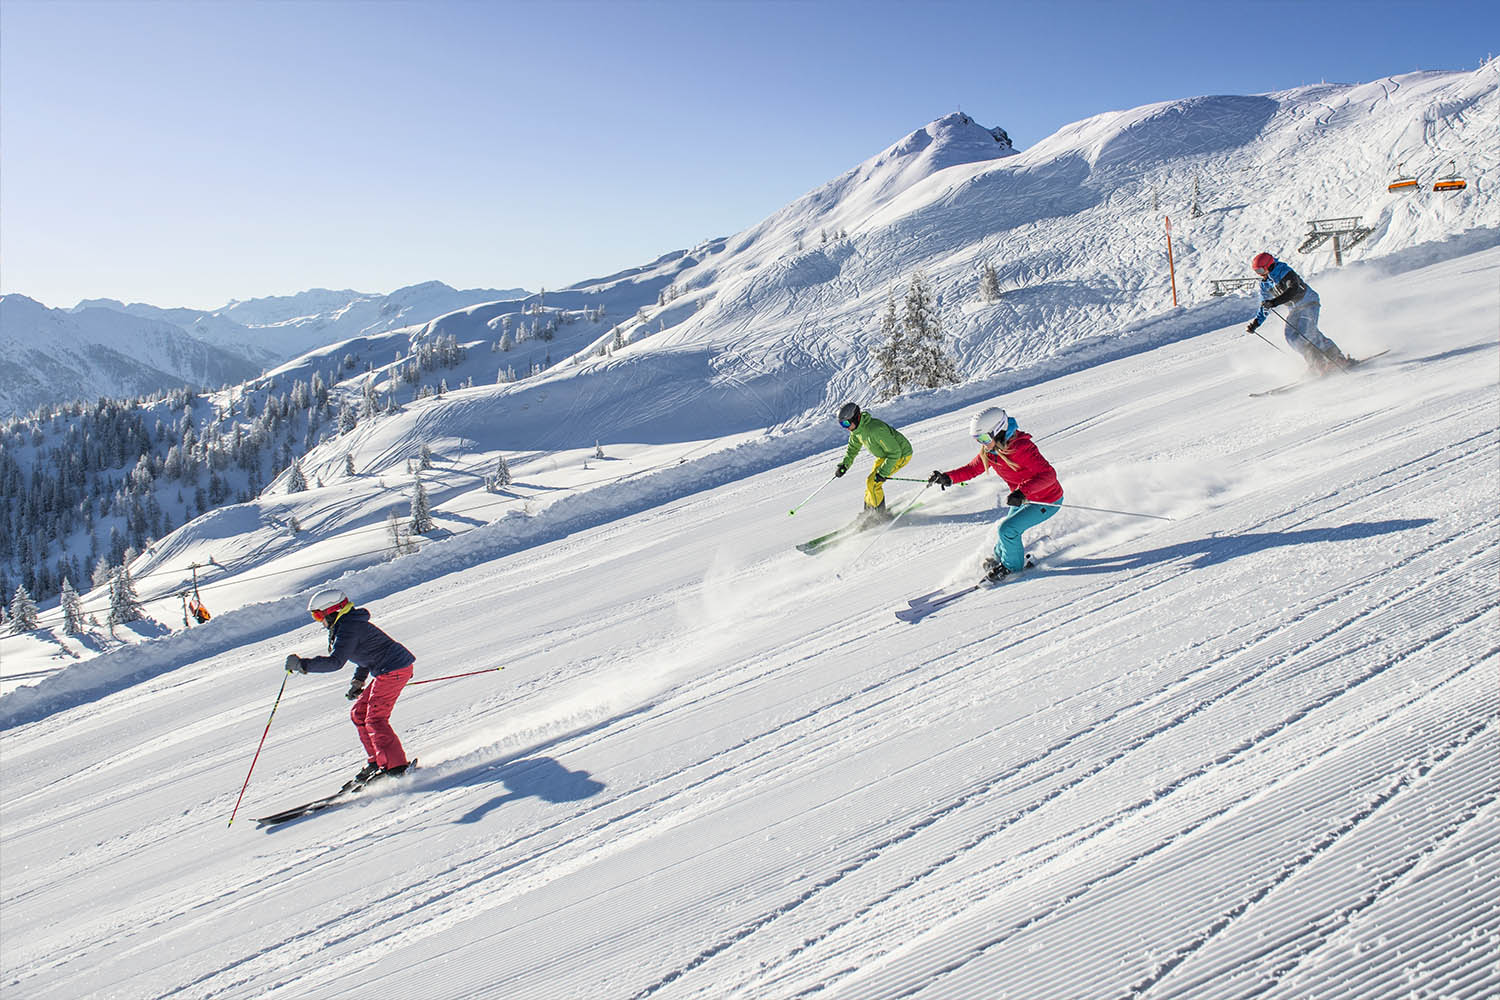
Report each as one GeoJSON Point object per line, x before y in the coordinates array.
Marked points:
{"type": "Point", "coordinates": [1203, 552]}
{"type": "Point", "coordinates": [532, 777]}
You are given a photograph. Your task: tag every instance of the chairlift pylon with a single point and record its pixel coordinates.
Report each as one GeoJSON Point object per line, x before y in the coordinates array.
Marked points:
{"type": "Point", "coordinates": [1450, 181]}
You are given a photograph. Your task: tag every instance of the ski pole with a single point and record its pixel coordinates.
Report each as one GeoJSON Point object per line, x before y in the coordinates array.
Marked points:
{"type": "Point", "coordinates": [451, 677]}
{"type": "Point", "coordinates": [1100, 510]}
{"type": "Point", "coordinates": [246, 785]}
{"type": "Point", "coordinates": [888, 527]}
{"type": "Point", "coordinates": [1257, 333]}
{"type": "Point", "coordinates": [908, 479]}
{"type": "Point", "coordinates": [814, 493]}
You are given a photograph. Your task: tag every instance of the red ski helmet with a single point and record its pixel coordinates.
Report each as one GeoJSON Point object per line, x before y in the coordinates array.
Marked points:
{"type": "Point", "coordinates": [1263, 262]}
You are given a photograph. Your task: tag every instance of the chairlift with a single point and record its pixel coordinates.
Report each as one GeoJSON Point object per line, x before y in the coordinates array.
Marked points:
{"type": "Point", "coordinates": [193, 607]}
{"type": "Point", "coordinates": [1403, 182]}
{"type": "Point", "coordinates": [1450, 181]}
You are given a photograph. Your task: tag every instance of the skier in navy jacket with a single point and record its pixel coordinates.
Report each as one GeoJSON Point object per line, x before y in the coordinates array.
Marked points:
{"type": "Point", "coordinates": [1280, 285]}
{"type": "Point", "coordinates": [375, 654]}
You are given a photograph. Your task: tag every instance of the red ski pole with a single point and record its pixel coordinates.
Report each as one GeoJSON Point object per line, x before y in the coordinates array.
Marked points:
{"type": "Point", "coordinates": [257, 750]}
{"type": "Point", "coordinates": [451, 677]}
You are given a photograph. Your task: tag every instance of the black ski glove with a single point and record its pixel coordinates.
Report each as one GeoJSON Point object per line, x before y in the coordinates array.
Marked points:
{"type": "Point", "coordinates": [1016, 499]}
{"type": "Point", "coordinates": [355, 690]}
{"type": "Point", "coordinates": [839, 472]}
{"type": "Point", "coordinates": [294, 664]}
{"type": "Point", "coordinates": [880, 477]}
{"type": "Point", "coordinates": [942, 479]}
{"type": "Point", "coordinates": [1252, 326]}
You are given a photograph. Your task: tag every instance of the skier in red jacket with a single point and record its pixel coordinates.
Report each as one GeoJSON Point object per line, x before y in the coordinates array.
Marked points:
{"type": "Point", "coordinates": [1035, 493]}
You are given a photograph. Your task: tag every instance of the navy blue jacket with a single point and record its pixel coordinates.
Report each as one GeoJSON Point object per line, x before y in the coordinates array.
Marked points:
{"type": "Point", "coordinates": [354, 638]}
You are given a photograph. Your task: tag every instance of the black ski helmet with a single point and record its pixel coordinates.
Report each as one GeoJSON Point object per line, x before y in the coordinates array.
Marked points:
{"type": "Point", "coordinates": [849, 415]}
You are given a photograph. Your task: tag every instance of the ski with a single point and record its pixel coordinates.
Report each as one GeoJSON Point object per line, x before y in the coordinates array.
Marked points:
{"type": "Point", "coordinates": [1281, 388]}
{"type": "Point", "coordinates": [815, 545]}
{"type": "Point", "coordinates": [350, 789]}
{"type": "Point", "coordinates": [305, 809]}
{"type": "Point", "coordinates": [920, 607]}
{"type": "Point", "coordinates": [859, 525]}
{"type": "Point", "coordinates": [1353, 364]}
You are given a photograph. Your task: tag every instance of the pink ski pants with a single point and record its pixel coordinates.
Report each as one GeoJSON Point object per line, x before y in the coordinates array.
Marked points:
{"type": "Point", "coordinates": [372, 717]}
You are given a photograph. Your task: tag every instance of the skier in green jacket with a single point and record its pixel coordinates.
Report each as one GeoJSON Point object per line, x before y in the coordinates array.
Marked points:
{"type": "Point", "coordinates": [888, 445]}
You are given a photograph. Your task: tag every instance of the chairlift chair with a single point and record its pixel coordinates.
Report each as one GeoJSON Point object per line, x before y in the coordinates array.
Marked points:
{"type": "Point", "coordinates": [1450, 181]}
{"type": "Point", "coordinates": [1403, 182]}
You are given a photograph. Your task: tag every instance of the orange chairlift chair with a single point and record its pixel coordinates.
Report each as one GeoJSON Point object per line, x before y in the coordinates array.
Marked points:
{"type": "Point", "coordinates": [1403, 182]}
{"type": "Point", "coordinates": [1450, 181]}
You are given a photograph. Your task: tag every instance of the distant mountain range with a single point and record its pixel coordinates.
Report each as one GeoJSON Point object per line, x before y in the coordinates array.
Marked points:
{"type": "Point", "coordinates": [103, 347]}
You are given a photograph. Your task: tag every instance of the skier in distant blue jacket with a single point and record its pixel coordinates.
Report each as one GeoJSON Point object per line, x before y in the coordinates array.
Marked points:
{"type": "Point", "coordinates": [1281, 286]}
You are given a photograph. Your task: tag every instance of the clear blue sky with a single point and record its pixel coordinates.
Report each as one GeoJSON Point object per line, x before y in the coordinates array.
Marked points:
{"type": "Point", "coordinates": [184, 154]}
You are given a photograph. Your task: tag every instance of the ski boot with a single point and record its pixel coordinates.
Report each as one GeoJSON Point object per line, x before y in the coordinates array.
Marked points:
{"type": "Point", "coordinates": [363, 775]}
{"type": "Point", "coordinates": [394, 772]}
{"type": "Point", "coordinates": [995, 571]}
{"type": "Point", "coordinates": [875, 516]}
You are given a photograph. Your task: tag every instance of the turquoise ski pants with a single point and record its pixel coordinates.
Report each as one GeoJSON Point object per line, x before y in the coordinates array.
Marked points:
{"type": "Point", "coordinates": [1008, 550]}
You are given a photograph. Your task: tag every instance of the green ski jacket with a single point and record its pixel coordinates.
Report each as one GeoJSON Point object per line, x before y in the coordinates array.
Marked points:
{"type": "Point", "coordinates": [883, 440]}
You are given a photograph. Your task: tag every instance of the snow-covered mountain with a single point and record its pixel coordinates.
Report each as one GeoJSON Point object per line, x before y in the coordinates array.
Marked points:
{"type": "Point", "coordinates": [775, 325]}
{"type": "Point", "coordinates": [45, 361]}
{"type": "Point", "coordinates": [49, 355]}
{"type": "Point", "coordinates": [292, 325]}
{"type": "Point", "coordinates": [210, 327]}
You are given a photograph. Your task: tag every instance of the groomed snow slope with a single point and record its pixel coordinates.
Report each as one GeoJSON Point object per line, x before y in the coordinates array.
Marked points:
{"type": "Point", "coordinates": [1246, 752]}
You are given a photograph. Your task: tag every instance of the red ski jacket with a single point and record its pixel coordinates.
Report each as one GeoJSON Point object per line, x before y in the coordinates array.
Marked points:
{"type": "Point", "coordinates": [1022, 467]}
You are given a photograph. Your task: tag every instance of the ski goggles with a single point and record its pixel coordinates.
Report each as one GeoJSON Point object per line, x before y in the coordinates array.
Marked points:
{"type": "Point", "coordinates": [986, 438]}
{"type": "Point", "coordinates": [846, 424]}
{"type": "Point", "coordinates": [323, 614]}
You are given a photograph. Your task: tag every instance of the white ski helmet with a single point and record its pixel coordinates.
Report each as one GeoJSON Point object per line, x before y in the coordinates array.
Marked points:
{"type": "Point", "coordinates": [327, 603]}
{"type": "Point", "coordinates": [988, 425]}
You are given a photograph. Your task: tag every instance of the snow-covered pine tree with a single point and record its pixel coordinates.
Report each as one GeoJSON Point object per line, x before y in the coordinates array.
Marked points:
{"type": "Point", "coordinates": [501, 476]}
{"type": "Point", "coordinates": [124, 605]}
{"type": "Point", "coordinates": [102, 571]}
{"type": "Point", "coordinates": [893, 356]}
{"type": "Point", "coordinates": [297, 481]}
{"type": "Point", "coordinates": [72, 609]}
{"type": "Point", "coordinates": [598, 450]}
{"type": "Point", "coordinates": [989, 283]}
{"type": "Point", "coordinates": [23, 613]}
{"type": "Point", "coordinates": [421, 514]}
{"type": "Point", "coordinates": [349, 465]}
{"type": "Point", "coordinates": [931, 366]}
{"type": "Point", "coordinates": [425, 457]}
{"type": "Point", "coordinates": [401, 543]}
